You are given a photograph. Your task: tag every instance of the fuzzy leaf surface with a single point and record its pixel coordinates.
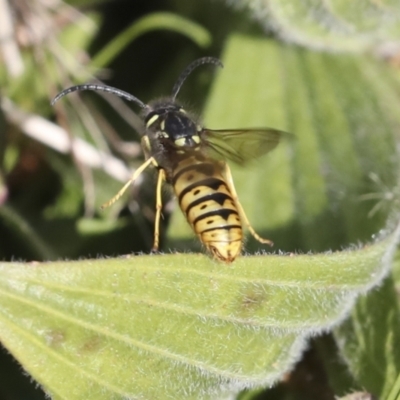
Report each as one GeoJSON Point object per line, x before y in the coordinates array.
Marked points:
{"type": "Point", "coordinates": [174, 326]}
{"type": "Point", "coordinates": [335, 25]}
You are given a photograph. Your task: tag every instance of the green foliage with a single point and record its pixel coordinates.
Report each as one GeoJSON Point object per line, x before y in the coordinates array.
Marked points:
{"type": "Point", "coordinates": [175, 326]}
{"type": "Point", "coordinates": [148, 23]}
{"type": "Point", "coordinates": [338, 25]}
{"type": "Point", "coordinates": [369, 340]}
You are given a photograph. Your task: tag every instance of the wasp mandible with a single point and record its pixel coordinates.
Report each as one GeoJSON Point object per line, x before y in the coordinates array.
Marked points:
{"type": "Point", "coordinates": [192, 159]}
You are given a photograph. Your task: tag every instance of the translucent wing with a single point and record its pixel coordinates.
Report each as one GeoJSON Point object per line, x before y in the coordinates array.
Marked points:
{"type": "Point", "coordinates": [241, 145]}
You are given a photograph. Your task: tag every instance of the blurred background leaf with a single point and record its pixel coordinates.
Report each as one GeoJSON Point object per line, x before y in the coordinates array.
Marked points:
{"type": "Point", "coordinates": [338, 25]}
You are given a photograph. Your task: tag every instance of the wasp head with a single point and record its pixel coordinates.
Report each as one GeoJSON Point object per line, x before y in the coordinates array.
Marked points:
{"type": "Point", "coordinates": [168, 121]}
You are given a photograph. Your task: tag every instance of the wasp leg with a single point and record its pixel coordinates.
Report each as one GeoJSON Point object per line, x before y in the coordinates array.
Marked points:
{"type": "Point", "coordinates": [229, 181]}
{"type": "Point", "coordinates": [160, 180]}
{"type": "Point", "coordinates": [134, 177]}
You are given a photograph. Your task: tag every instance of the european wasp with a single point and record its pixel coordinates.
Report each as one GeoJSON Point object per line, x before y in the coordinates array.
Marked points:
{"type": "Point", "coordinates": [192, 159]}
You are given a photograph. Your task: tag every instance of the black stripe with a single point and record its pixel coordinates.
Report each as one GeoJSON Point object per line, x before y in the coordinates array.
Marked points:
{"type": "Point", "coordinates": [217, 197]}
{"type": "Point", "coordinates": [226, 228]}
{"type": "Point", "coordinates": [212, 183]}
{"type": "Point", "coordinates": [224, 213]}
{"type": "Point", "coordinates": [206, 169]}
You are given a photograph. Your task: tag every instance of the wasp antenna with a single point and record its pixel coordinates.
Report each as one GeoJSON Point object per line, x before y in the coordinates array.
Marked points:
{"type": "Point", "coordinates": [189, 69]}
{"type": "Point", "coordinates": [104, 88]}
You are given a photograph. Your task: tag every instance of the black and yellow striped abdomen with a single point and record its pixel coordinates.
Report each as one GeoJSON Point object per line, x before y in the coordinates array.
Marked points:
{"type": "Point", "coordinates": [208, 205]}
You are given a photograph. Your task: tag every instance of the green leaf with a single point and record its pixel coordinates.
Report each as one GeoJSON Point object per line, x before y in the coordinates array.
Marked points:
{"type": "Point", "coordinates": [175, 326]}
{"type": "Point", "coordinates": [396, 273]}
{"type": "Point", "coordinates": [160, 20]}
{"type": "Point", "coordinates": [395, 391]}
{"type": "Point", "coordinates": [337, 25]}
{"type": "Point", "coordinates": [369, 340]}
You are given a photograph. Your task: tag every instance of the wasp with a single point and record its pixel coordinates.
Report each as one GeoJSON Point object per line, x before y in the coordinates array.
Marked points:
{"type": "Point", "coordinates": [192, 159]}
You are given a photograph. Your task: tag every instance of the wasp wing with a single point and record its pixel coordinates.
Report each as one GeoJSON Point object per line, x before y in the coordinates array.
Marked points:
{"type": "Point", "coordinates": [240, 145]}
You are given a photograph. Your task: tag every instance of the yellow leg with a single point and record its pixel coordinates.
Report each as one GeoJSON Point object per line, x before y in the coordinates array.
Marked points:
{"type": "Point", "coordinates": [134, 177]}
{"type": "Point", "coordinates": [229, 181]}
{"type": "Point", "coordinates": [160, 180]}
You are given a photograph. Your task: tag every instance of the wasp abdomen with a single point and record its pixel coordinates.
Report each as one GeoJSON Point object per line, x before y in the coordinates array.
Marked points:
{"type": "Point", "coordinates": [209, 207]}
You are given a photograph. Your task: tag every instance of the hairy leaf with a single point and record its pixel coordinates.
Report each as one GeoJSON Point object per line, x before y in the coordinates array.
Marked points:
{"type": "Point", "coordinates": [175, 326]}
{"type": "Point", "coordinates": [335, 25]}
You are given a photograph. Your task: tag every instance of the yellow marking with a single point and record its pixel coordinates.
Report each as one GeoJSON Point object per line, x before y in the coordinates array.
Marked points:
{"type": "Point", "coordinates": [213, 237]}
{"type": "Point", "coordinates": [162, 125]}
{"type": "Point", "coordinates": [153, 119]}
{"type": "Point", "coordinates": [160, 180]}
{"type": "Point", "coordinates": [199, 128]}
{"type": "Point", "coordinates": [210, 205]}
{"type": "Point", "coordinates": [182, 110]}
{"type": "Point", "coordinates": [146, 144]}
{"type": "Point", "coordinates": [180, 142]}
{"type": "Point", "coordinates": [163, 134]}
{"type": "Point", "coordinates": [231, 186]}
{"type": "Point", "coordinates": [180, 152]}
{"type": "Point", "coordinates": [134, 177]}
{"type": "Point", "coordinates": [216, 221]}
{"type": "Point", "coordinates": [196, 139]}
{"type": "Point", "coordinates": [200, 192]}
